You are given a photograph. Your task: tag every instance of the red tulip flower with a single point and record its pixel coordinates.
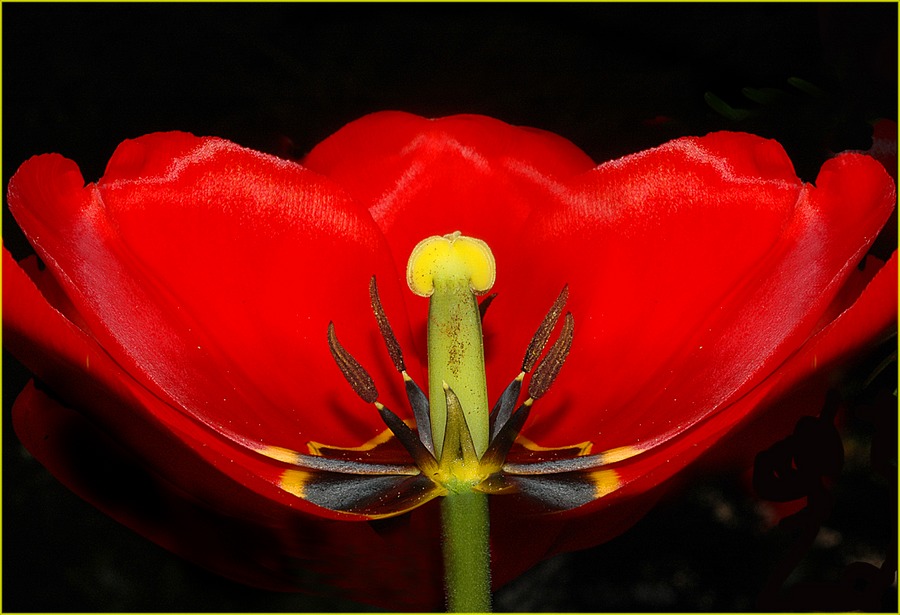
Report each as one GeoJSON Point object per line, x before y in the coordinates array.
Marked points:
{"type": "Point", "coordinates": [192, 305]}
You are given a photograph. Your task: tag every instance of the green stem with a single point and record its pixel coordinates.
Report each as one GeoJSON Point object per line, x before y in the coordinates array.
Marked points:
{"type": "Point", "coordinates": [449, 270]}
{"type": "Point", "coordinates": [467, 556]}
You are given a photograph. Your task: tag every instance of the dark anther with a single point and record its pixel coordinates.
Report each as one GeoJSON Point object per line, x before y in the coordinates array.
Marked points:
{"type": "Point", "coordinates": [421, 411]}
{"type": "Point", "coordinates": [549, 367]}
{"type": "Point", "coordinates": [543, 333]}
{"type": "Point", "coordinates": [417, 398]}
{"type": "Point", "coordinates": [485, 304]}
{"type": "Point", "coordinates": [502, 410]}
{"type": "Point", "coordinates": [387, 333]}
{"type": "Point", "coordinates": [355, 374]}
{"type": "Point", "coordinates": [502, 441]}
{"type": "Point", "coordinates": [407, 437]}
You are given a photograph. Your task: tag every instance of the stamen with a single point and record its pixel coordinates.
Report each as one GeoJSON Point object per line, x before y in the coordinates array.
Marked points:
{"type": "Point", "coordinates": [508, 431]}
{"type": "Point", "coordinates": [408, 438]}
{"type": "Point", "coordinates": [485, 304]}
{"type": "Point", "coordinates": [548, 369]}
{"type": "Point", "coordinates": [390, 340]}
{"type": "Point", "coordinates": [355, 374]}
{"type": "Point", "coordinates": [502, 410]}
{"type": "Point", "coordinates": [417, 399]}
{"type": "Point", "coordinates": [362, 383]}
{"type": "Point", "coordinates": [536, 347]}
{"type": "Point", "coordinates": [460, 447]}
{"type": "Point", "coordinates": [421, 411]}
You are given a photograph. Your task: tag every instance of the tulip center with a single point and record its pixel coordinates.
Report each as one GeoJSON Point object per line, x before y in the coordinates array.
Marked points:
{"type": "Point", "coordinates": [459, 447]}
{"type": "Point", "coordinates": [459, 442]}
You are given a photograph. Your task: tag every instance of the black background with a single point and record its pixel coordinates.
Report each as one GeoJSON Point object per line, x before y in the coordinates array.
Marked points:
{"type": "Point", "coordinates": [78, 79]}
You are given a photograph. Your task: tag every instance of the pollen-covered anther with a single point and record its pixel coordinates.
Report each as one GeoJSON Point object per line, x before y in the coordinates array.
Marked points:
{"type": "Point", "coordinates": [503, 409]}
{"type": "Point", "coordinates": [356, 375]}
{"type": "Point", "coordinates": [507, 425]}
{"type": "Point", "coordinates": [548, 369]}
{"type": "Point", "coordinates": [452, 258]}
{"type": "Point", "coordinates": [363, 385]}
{"type": "Point", "coordinates": [542, 335]}
{"type": "Point", "coordinates": [390, 340]}
{"type": "Point", "coordinates": [417, 399]}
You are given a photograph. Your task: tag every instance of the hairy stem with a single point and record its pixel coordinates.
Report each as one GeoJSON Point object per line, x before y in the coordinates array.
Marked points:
{"type": "Point", "coordinates": [466, 545]}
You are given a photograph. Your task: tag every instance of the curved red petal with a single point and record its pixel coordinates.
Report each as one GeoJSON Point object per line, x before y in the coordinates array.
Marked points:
{"type": "Point", "coordinates": [210, 273]}
{"type": "Point", "coordinates": [171, 443]}
{"type": "Point", "coordinates": [694, 271]}
{"type": "Point", "coordinates": [276, 549]}
{"type": "Point", "coordinates": [172, 480]}
{"type": "Point", "coordinates": [769, 412]}
{"type": "Point", "coordinates": [421, 177]}
{"type": "Point", "coordinates": [799, 386]}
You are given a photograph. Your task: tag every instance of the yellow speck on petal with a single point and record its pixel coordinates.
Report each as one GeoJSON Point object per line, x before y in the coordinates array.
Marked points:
{"type": "Point", "coordinates": [294, 482]}
{"type": "Point", "coordinates": [452, 258]}
{"type": "Point", "coordinates": [278, 453]}
{"type": "Point", "coordinates": [317, 448]}
{"type": "Point", "coordinates": [580, 449]}
{"type": "Point", "coordinates": [605, 482]}
{"type": "Point", "coordinates": [621, 453]}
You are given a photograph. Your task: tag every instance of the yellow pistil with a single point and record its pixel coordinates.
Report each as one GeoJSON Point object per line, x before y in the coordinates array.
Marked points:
{"type": "Point", "coordinates": [451, 270]}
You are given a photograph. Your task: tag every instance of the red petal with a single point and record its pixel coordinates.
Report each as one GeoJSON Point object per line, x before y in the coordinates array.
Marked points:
{"type": "Point", "coordinates": [695, 270]}
{"type": "Point", "coordinates": [799, 386]}
{"type": "Point", "coordinates": [210, 273]}
{"type": "Point", "coordinates": [276, 548]}
{"type": "Point", "coordinates": [223, 509]}
{"type": "Point", "coordinates": [171, 443]}
{"type": "Point", "coordinates": [766, 414]}
{"type": "Point", "coordinates": [467, 173]}
{"type": "Point", "coordinates": [698, 273]}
